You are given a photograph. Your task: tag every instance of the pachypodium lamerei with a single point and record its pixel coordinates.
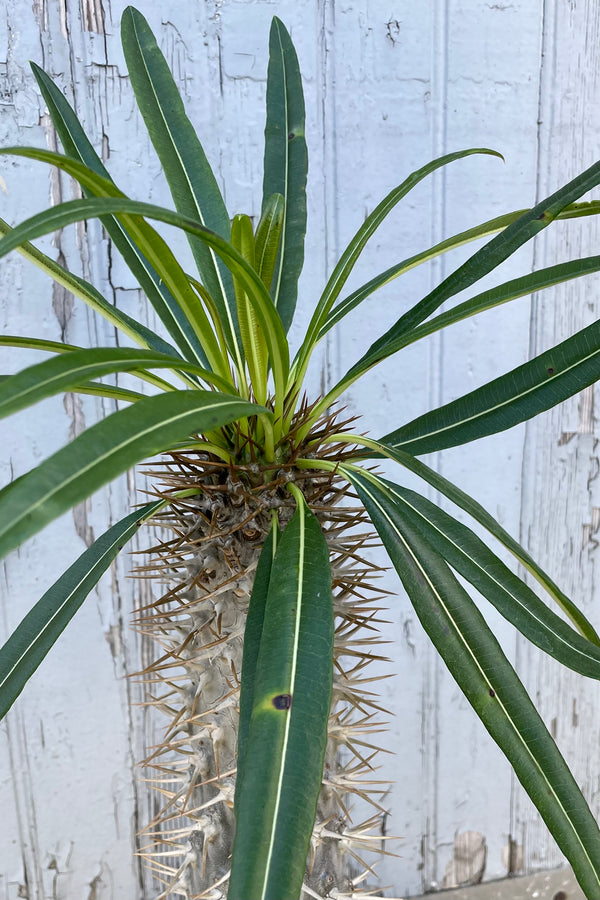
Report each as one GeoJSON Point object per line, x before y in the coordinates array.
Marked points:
{"type": "Point", "coordinates": [267, 504]}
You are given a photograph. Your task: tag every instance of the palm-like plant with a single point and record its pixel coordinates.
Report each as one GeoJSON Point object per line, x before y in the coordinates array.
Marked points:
{"type": "Point", "coordinates": [264, 502]}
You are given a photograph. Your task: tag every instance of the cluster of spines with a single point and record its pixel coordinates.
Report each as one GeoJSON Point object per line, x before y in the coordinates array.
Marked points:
{"type": "Point", "coordinates": [206, 563]}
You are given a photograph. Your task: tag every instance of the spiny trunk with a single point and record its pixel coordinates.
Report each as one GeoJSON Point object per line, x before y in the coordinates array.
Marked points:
{"type": "Point", "coordinates": [207, 563]}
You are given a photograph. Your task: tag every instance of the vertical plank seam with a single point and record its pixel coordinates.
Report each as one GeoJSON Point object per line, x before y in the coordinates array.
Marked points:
{"type": "Point", "coordinates": [432, 670]}
{"type": "Point", "coordinates": [325, 22]}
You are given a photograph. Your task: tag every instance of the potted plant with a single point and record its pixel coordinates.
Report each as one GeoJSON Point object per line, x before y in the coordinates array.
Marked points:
{"type": "Point", "coordinates": [264, 496]}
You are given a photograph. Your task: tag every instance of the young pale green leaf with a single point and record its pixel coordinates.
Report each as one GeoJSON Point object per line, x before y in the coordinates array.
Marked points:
{"type": "Point", "coordinates": [285, 165]}
{"type": "Point", "coordinates": [268, 238]}
{"type": "Point", "coordinates": [106, 450]}
{"type": "Point", "coordinates": [155, 250]}
{"type": "Point", "coordinates": [87, 292]}
{"type": "Point", "coordinates": [347, 260]}
{"type": "Point", "coordinates": [482, 671]}
{"type": "Point", "coordinates": [472, 559]}
{"type": "Point", "coordinates": [520, 394]}
{"type": "Point", "coordinates": [253, 342]}
{"type": "Point", "coordinates": [283, 766]}
{"type": "Point", "coordinates": [42, 626]}
{"type": "Point", "coordinates": [252, 637]}
{"type": "Point", "coordinates": [75, 210]}
{"type": "Point", "coordinates": [492, 226]}
{"type": "Point", "coordinates": [193, 185]}
{"type": "Point", "coordinates": [11, 340]}
{"type": "Point", "coordinates": [481, 515]}
{"type": "Point", "coordinates": [481, 263]}
{"type": "Point", "coordinates": [79, 148]}
{"type": "Point", "coordinates": [29, 343]}
{"type": "Point", "coordinates": [510, 290]}
{"type": "Point", "coordinates": [64, 372]}
{"type": "Point", "coordinates": [97, 389]}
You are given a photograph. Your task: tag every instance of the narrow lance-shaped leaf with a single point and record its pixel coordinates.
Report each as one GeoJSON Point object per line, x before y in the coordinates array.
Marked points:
{"type": "Point", "coordinates": [104, 451]}
{"type": "Point", "coordinates": [492, 226]}
{"type": "Point", "coordinates": [481, 515]}
{"type": "Point", "coordinates": [283, 766]}
{"type": "Point", "coordinates": [481, 263]}
{"type": "Point", "coordinates": [253, 342]}
{"type": "Point", "coordinates": [15, 340]}
{"type": "Point", "coordinates": [79, 148]}
{"type": "Point", "coordinates": [193, 185]}
{"type": "Point", "coordinates": [153, 245]}
{"type": "Point", "coordinates": [347, 260]}
{"type": "Point", "coordinates": [63, 372]}
{"type": "Point", "coordinates": [138, 332]}
{"type": "Point", "coordinates": [252, 637]}
{"type": "Point", "coordinates": [268, 238]}
{"type": "Point", "coordinates": [42, 626]}
{"type": "Point", "coordinates": [503, 293]}
{"type": "Point", "coordinates": [286, 165]}
{"type": "Point", "coordinates": [482, 671]}
{"type": "Point", "coordinates": [472, 559]}
{"type": "Point", "coordinates": [75, 210]}
{"type": "Point", "coordinates": [110, 392]}
{"type": "Point", "coordinates": [520, 394]}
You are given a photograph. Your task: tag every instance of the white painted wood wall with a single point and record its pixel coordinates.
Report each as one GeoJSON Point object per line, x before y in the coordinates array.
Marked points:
{"type": "Point", "coordinates": [389, 84]}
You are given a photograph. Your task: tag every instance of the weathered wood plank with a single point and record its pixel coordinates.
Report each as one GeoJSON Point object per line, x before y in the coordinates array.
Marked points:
{"type": "Point", "coordinates": [560, 500]}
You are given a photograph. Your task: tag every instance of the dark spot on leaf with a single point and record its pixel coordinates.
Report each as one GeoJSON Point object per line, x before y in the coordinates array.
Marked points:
{"type": "Point", "coordinates": [492, 692]}
{"type": "Point", "coordinates": [542, 217]}
{"type": "Point", "coordinates": [282, 701]}
{"type": "Point", "coordinates": [138, 523]}
{"type": "Point", "coordinates": [291, 136]}
{"type": "Point", "coordinates": [550, 371]}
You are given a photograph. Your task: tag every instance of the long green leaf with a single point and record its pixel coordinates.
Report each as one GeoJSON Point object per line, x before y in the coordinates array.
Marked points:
{"type": "Point", "coordinates": [79, 148]}
{"type": "Point", "coordinates": [482, 671]}
{"type": "Point", "coordinates": [253, 342]}
{"type": "Point", "coordinates": [286, 165]}
{"type": "Point", "coordinates": [106, 450]}
{"type": "Point", "coordinates": [187, 313]}
{"type": "Point", "coordinates": [94, 299]}
{"type": "Point", "coordinates": [520, 394]}
{"type": "Point", "coordinates": [481, 263]}
{"type": "Point", "coordinates": [472, 559]}
{"type": "Point", "coordinates": [492, 226]}
{"type": "Point", "coordinates": [283, 766]}
{"type": "Point", "coordinates": [63, 372]}
{"type": "Point", "coordinates": [268, 238]}
{"type": "Point", "coordinates": [75, 210]}
{"type": "Point", "coordinates": [503, 293]}
{"type": "Point", "coordinates": [347, 260]}
{"type": "Point", "coordinates": [42, 626]}
{"type": "Point", "coordinates": [481, 515]}
{"type": "Point", "coordinates": [252, 637]}
{"type": "Point", "coordinates": [13, 340]}
{"type": "Point", "coordinates": [97, 389]}
{"type": "Point", "coordinates": [193, 186]}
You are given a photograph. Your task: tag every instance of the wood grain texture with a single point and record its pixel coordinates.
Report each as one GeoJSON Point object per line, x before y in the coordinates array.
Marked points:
{"type": "Point", "coordinates": [387, 88]}
{"type": "Point", "coordinates": [561, 523]}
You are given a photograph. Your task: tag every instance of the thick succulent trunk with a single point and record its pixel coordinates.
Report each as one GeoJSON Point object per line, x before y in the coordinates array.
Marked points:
{"type": "Point", "coordinates": [207, 563]}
